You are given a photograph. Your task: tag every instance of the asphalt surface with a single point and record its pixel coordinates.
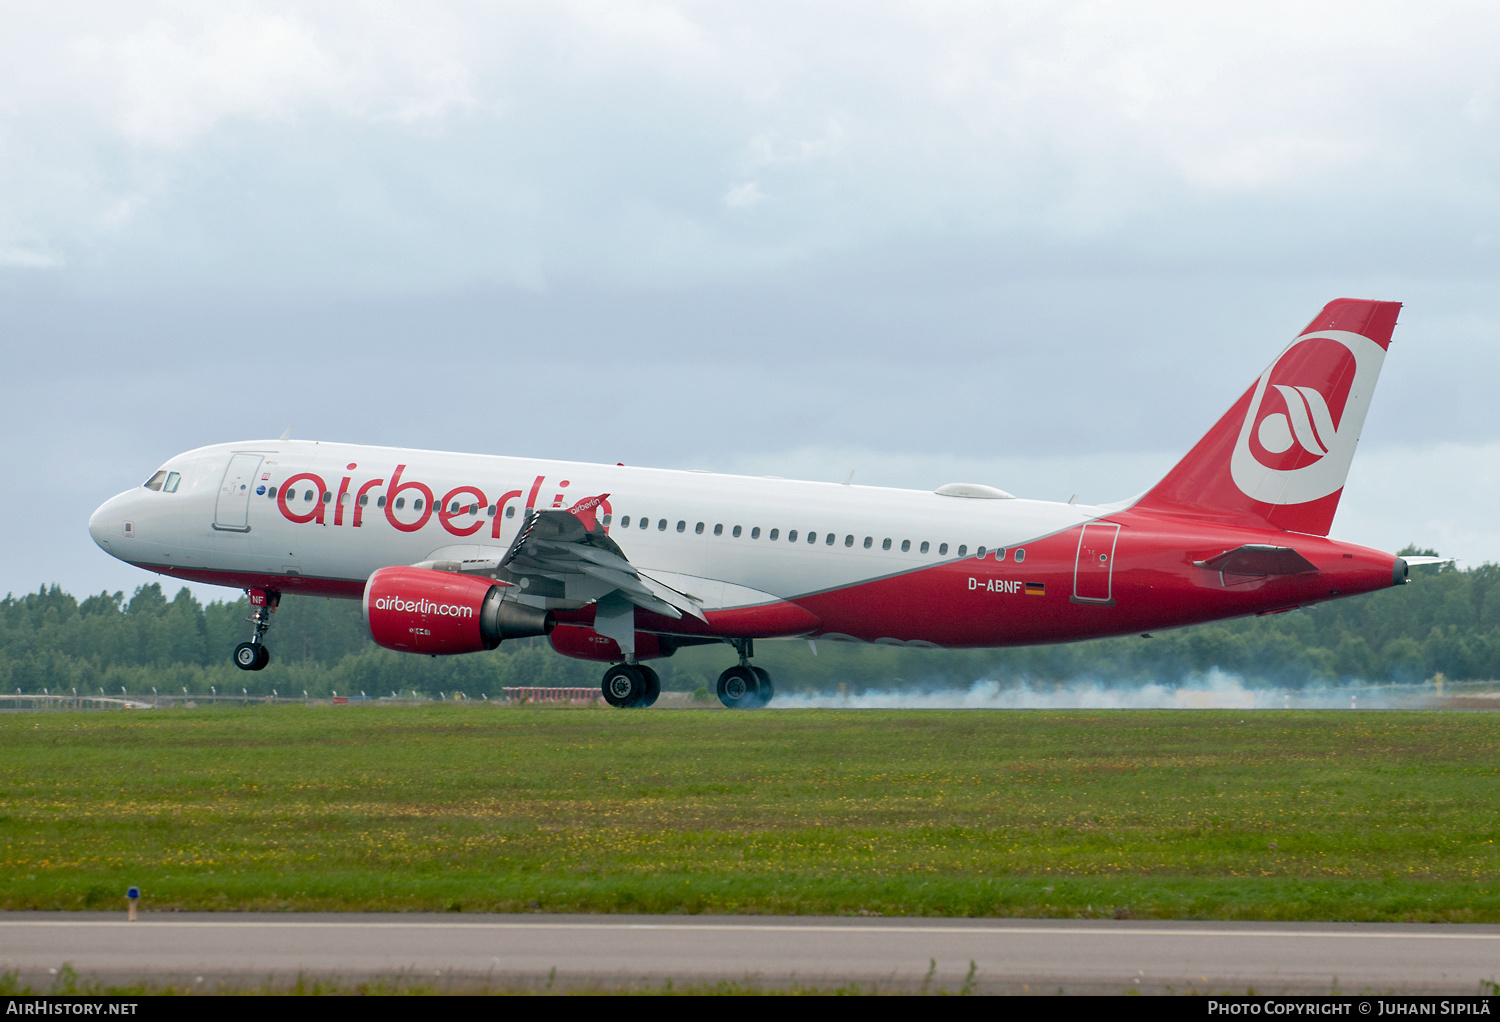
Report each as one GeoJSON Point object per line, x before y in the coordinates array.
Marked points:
{"type": "Point", "coordinates": [207, 951]}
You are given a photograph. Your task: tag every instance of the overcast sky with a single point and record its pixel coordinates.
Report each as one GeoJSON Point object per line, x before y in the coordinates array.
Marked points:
{"type": "Point", "coordinates": [1038, 245]}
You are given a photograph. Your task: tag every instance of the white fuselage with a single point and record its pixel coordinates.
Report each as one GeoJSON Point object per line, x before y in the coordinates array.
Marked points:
{"type": "Point", "coordinates": [681, 523]}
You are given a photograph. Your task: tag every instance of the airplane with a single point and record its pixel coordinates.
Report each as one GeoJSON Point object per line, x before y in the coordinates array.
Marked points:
{"type": "Point", "coordinates": [455, 553]}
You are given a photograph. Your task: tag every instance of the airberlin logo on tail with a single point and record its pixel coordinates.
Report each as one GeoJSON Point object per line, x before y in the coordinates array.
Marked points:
{"type": "Point", "coordinates": [423, 606]}
{"type": "Point", "coordinates": [1305, 417]}
{"type": "Point", "coordinates": [1307, 423]}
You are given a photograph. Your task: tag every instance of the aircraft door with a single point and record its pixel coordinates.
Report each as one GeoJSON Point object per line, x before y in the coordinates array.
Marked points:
{"type": "Point", "coordinates": [232, 511]}
{"type": "Point", "coordinates": [1093, 572]}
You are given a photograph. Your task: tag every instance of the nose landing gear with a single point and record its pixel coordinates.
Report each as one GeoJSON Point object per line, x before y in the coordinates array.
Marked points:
{"type": "Point", "coordinates": [250, 657]}
{"type": "Point", "coordinates": [745, 687]}
{"type": "Point", "coordinates": [253, 655]}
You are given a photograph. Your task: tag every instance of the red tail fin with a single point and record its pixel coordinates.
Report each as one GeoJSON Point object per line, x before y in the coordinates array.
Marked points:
{"type": "Point", "coordinates": [1281, 453]}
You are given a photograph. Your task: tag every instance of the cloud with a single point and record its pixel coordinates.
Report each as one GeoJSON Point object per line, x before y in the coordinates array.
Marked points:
{"type": "Point", "coordinates": [25, 258]}
{"type": "Point", "coordinates": [535, 142]}
{"type": "Point", "coordinates": [1041, 245]}
{"type": "Point", "coordinates": [742, 196]}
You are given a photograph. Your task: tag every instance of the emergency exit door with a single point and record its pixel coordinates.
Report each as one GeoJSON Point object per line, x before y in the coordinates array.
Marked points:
{"type": "Point", "coordinates": [1094, 570]}
{"type": "Point", "coordinates": [232, 510]}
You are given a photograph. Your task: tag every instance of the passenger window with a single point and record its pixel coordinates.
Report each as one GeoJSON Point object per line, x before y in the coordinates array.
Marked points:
{"type": "Point", "coordinates": [343, 500]}
{"type": "Point", "coordinates": [661, 526]}
{"type": "Point", "coordinates": [416, 505]}
{"type": "Point", "coordinates": [942, 548]}
{"type": "Point", "coordinates": [906, 546]}
{"type": "Point", "coordinates": [1000, 554]}
{"type": "Point", "coordinates": [885, 544]}
{"type": "Point", "coordinates": [681, 525]}
{"type": "Point", "coordinates": [490, 511]}
{"type": "Point", "coordinates": [1020, 556]}
{"type": "Point", "coordinates": [327, 497]}
{"type": "Point", "coordinates": [606, 520]}
{"type": "Point", "coordinates": [308, 495]}
{"type": "Point", "coordinates": [829, 540]}
{"type": "Point", "coordinates": [400, 503]}
{"type": "Point", "coordinates": [848, 541]}
{"type": "Point", "coordinates": [380, 502]}
{"type": "Point", "coordinates": [154, 483]}
{"type": "Point", "coordinates": [791, 537]}
{"type": "Point", "coordinates": [697, 529]}
{"type": "Point", "coordinates": [736, 532]}
{"type": "Point", "coordinates": [625, 522]}
{"type": "Point", "coordinates": [364, 501]}
{"type": "Point", "coordinates": [510, 512]}
{"type": "Point", "coordinates": [173, 478]}
{"type": "Point", "coordinates": [774, 533]}
{"type": "Point", "coordinates": [963, 549]}
{"type": "Point", "coordinates": [869, 542]}
{"type": "Point", "coordinates": [754, 533]}
{"type": "Point", "coordinates": [718, 530]}
{"type": "Point", "coordinates": [645, 523]}
{"type": "Point", "coordinates": [271, 493]}
{"type": "Point", "coordinates": [979, 553]}
{"type": "Point", "coordinates": [924, 546]}
{"type": "Point", "coordinates": [453, 508]}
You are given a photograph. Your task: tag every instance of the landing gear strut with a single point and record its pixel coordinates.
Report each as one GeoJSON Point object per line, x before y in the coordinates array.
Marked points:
{"type": "Point", "coordinates": [745, 687]}
{"type": "Point", "coordinates": [253, 655]}
{"type": "Point", "coordinates": [631, 686]}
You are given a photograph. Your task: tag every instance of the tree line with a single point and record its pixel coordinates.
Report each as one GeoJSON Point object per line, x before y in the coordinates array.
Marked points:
{"type": "Point", "coordinates": [1443, 622]}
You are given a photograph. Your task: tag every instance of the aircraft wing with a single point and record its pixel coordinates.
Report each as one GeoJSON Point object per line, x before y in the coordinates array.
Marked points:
{"type": "Point", "coordinates": [562, 547]}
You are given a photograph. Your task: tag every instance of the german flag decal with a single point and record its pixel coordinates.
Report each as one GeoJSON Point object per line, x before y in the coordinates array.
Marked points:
{"type": "Point", "coordinates": [1036, 589]}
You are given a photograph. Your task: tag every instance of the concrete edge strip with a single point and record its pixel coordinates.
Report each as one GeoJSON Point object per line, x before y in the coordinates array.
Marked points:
{"type": "Point", "coordinates": [771, 928]}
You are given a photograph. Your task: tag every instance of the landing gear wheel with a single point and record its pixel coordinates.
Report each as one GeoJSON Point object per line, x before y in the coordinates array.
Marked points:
{"type": "Point", "coordinates": [265, 658]}
{"type": "Point", "coordinates": [767, 690]}
{"type": "Point", "coordinates": [739, 688]}
{"type": "Point", "coordinates": [247, 656]}
{"type": "Point", "coordinates": [624, 685]}
{"type": "Point", "coordinates": [653, 687]}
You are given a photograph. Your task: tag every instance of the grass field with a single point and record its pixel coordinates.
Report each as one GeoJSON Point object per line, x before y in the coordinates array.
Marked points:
{"type": "Point", "coordinates": [1204, 814]}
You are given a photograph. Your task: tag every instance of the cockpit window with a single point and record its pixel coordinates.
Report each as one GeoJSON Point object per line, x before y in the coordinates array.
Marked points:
{"type": "Point", "coordinates": [154, 483]}
{"type": "Point", "coordinates": [170, 486]}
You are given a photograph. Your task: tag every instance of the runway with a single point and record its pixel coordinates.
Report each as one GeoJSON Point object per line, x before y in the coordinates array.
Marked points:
{"type": "Point", "coordinates": [208, 951]}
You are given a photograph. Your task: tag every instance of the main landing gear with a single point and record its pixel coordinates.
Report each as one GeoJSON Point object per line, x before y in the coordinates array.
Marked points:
{"type": "Point", "coordinates": [631, 686]}
{"type": "Point", "coordinates": [745, 687]}
{"type": "Point", "coordinates": [253, 655]}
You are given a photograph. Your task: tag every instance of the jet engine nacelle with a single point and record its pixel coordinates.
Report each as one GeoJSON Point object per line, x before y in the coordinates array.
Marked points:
{"type": "Point", "coordinates": [417, 610]}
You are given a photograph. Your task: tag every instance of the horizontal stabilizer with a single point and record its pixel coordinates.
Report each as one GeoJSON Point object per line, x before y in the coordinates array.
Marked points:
{"type": "Point", "coordinates": [1255, 559]}
{"type": "Point", "coordinates": [1414, 562]}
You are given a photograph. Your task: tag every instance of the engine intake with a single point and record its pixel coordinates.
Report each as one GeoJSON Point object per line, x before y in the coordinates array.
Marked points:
{"type": "Point", "coordinates": [417, 610]}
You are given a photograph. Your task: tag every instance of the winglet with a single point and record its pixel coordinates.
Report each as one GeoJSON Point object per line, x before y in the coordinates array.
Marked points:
{"type": "Point", "coordinates": [286, 434]}
{"type": "Point", "coordinates": [586, 510]}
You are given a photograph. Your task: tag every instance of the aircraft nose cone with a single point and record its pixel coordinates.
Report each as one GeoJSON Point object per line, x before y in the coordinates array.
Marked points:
{"type": "Point", "coordinates": [107, 522]}
{"type": "Point", "coordinates": [99, 526]}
